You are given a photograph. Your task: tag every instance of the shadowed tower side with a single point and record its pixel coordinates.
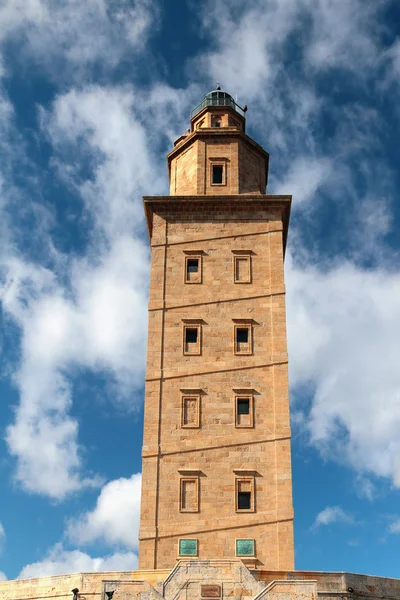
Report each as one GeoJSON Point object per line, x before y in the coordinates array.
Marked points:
{"type": "Point", "coordinates": [216, 456]}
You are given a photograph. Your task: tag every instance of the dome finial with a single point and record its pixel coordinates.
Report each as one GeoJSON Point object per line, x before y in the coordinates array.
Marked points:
{"type": "Point", "coordinates": [218, 87]}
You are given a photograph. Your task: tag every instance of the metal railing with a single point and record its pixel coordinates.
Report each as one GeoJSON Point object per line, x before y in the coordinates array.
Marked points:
{"type": "Point", "coordinates": [218, 99]}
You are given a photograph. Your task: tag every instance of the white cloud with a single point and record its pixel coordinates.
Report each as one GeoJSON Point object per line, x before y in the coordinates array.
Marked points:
{"type": "Point", "coordinates": [342, 34]}
{"type": "Point", "coordinates": [332, 514]}
{"type": "Point", "coordinates": [365, 488]}
{"type": "Point", "coordinates": [115, 518]}
{"type": "Point", "coordinates": [100, 125]}
{"type": "Point", "coordinates": [394, 527]}
{"type": "Point", "coordinates": [90, 310]}
{"type": "Point", "coordinates": [2, 536]}
{"type": "Point", "coordinates": [79, 34]}
{"type": "Point", "coordinates": [285, 104]}
{"type": "Point", "coordinates": [60, 562]}
{"type": "Point", "coordinates": [103, 328]}
{"type": "Point", "coordinates": [343, 331]}
{"type": "Point", "coordinates": [304, 177]}
{"type": "Point", "coordinates": [343, 320]}
{"type": "Point", "coordinates": [392, 60]}
{"type": "Point", "coordinates": [337, 34]}
{"type": "Point", "coordinates": [3, 576]}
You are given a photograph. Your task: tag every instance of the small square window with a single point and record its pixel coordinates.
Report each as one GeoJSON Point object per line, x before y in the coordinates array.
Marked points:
{"type": "Point", "coordinates": [217, 174]}
{"type": "Point", "coordinates": [188, 547]}
{"type": "Point", "coordinates": [191, 339]}
{"type": "Point", "coordinates": [245, 548]}
{"type": "Point", "coordinates": [245, 495]}
{"type": "Point", "coordinates": [243, 339]}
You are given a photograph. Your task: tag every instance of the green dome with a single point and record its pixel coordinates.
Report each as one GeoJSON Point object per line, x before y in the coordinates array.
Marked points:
{"type": "Point", "coordinates": [218, 98]}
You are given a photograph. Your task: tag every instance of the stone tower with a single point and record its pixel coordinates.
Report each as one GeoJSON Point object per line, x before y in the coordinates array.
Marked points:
{"type": "Point", "coordinates": [216, 456]}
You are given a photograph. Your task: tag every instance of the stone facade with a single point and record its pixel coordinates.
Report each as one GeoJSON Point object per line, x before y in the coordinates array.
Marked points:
{"type": "Point", "coordinates": [216, 451]}
{"type": "Point", "coordinates": [244, 163]}
{"type": "Point", "coordinates": [202, 580]}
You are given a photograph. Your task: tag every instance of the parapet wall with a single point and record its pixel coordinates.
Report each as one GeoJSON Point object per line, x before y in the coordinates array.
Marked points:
{"type": "Point", "coordinates": [59, 586]}
{"type": "Point", "coordinates": [203, 580]}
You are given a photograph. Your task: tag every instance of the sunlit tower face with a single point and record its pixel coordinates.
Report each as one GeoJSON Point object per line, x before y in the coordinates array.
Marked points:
{"type": "Point", "coordinates": [216, 454]}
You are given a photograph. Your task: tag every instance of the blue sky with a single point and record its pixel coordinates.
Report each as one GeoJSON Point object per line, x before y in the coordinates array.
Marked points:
{"type": "Point", "coordinates": [92, 95]}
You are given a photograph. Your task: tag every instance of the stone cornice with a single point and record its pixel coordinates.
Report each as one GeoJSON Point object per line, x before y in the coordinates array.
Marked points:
{"type": "Point", "coordinates": [223, 132]}
{"type": "Point", "coordinates": [281, 202]}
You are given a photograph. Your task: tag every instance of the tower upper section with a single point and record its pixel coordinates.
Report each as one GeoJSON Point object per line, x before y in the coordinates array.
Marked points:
{"type": "Point", "coordinates": [215, 156]}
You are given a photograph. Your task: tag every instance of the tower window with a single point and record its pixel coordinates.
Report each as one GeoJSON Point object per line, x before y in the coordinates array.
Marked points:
{"type": "Point", "coordinates": [191, 335]}
{"type": "Point", "coordinates": [243, 406]}
{"type": "Point", "coordinates": [193, 266]}
{"type": "Point", "coordinates": [189, 494]}
{"type": "Point", "coordinates": [244, 500]}
{"type": "Point", "coordinates": [245, 494]}
{"type": "Point", "coordinates": [216, 122]}
{"type": "Point", "coordinates": [190, 411]}
{"type": "Point", "coordinates": [242, 335]}
{"type": "Point", "coordinates": [242, 266]}
{"type": "Point", "coordinates": [188, 548]}
{"type": "Point", "coordinates": [192, 339]}
{"type": "Point", "coordinates": [244, 411]}
{"type": "Point", "coordinates": [243, 341]}
{"type": "Point", "coordinates": [192, 271]}
{"type": "Point", "coordinates": [217, 174]}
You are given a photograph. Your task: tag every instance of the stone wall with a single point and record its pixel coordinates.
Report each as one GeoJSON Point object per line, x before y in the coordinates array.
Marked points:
{"type": "Point", "coordinates": [196, 580]}
{"type": "Point", "coordinates": [90, 585]}
{"type": "Point", "coordinates": [216, 453]}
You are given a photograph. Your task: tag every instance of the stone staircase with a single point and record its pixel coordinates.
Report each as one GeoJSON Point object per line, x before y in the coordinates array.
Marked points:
{"type": "Point", "coordinates": [210, 580]}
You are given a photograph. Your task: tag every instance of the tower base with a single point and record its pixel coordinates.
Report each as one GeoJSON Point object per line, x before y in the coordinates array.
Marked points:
{"type": "Point", "coordinates": [206, 579]}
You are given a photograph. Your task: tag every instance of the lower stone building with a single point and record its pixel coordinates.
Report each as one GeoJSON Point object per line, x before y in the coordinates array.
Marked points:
{"type": "Point", "coordinates": [202, 580]}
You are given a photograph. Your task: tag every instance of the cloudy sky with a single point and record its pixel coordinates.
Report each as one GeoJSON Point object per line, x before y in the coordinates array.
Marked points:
{"type": "Point", "coordinates": [92, 95]}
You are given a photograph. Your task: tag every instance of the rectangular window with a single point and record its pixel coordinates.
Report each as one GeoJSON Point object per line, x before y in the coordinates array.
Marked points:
{"type": "Point", "coordinates": [242, 267]}
{"type": "Point", "coordinates": [192, 339]}
{"type": "Point", "coordinates": [244, 411]}
{"type": "Point", "coordinates": [192, 265]}
{"type": "Point", "coordinates": [190, 414]}
{"type": "Point", "coordinates": [191, 335]}
{"type": "Point", "coordinates": [243, 341]}
{"type": "Point", "coordinates": [188, 548]}
{"type": "Point", "coordinates": [244, 500]}
{"type": "Point", "coordinates": [193, 268]}
{"type": "Point", "coordinates": [242, 335]}
{"type": "Point", "coordinates": [243, 406]}
{"type": "Point", "coordinates": [245, 548]}
{"type": "Point", "coordinates": [217, 174]}
{"type": "Point", "coordinates": [189, 494]}
{"type": "Point", "coordinates": [245, 494]}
